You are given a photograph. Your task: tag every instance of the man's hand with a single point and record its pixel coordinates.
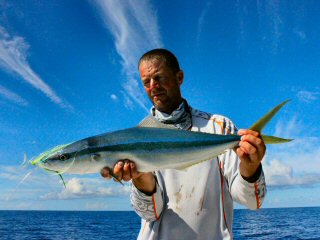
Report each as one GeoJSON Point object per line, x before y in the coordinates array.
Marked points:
{"type": "Point", "coordinates": [251, 150]}
{"type": "Point", "coordinates": [126, 170]}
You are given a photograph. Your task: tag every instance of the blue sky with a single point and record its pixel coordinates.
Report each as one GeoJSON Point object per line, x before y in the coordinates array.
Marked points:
{"type": "Point", "coordinates": [68, 71]}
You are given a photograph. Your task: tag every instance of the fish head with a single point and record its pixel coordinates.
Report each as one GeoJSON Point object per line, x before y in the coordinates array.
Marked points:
{"type": "Point", "coordinates": [57, 159]}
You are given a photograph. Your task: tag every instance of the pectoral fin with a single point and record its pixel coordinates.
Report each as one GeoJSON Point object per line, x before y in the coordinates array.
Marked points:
{"type": "Point", "coordinates": [64, 183]}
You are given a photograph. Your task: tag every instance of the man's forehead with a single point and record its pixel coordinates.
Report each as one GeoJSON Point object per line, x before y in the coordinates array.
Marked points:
{"type": "Point", "coordinates": [151, 66]}
{"type": "Point", "coordinates": [152, 62]}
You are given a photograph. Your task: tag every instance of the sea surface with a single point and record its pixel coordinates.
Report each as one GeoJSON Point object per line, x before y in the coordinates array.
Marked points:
{"type": "Point", "coordinates": [277, 223]}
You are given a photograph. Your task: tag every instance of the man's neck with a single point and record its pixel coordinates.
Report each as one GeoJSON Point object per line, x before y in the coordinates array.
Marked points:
{"type": "Point", "coordinates": [173, 108]}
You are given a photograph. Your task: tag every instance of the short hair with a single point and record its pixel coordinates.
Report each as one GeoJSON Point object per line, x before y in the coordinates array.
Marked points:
{"type": "Point", "coordinates": [162, 55]}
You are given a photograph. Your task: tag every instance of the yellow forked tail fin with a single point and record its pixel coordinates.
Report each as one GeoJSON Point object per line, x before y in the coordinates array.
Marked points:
{"type": "Point", "coordinates": [262, 122]}
{"type": "Point", "coordinates": [274, 140]}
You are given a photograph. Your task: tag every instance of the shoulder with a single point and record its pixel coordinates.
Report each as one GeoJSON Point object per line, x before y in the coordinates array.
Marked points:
{"type": "Point", "coordinates": [214, 123]}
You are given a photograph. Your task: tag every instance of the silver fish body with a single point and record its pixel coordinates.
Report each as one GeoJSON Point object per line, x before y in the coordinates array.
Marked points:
{"type": "Point", "coordinates": [150, 148]}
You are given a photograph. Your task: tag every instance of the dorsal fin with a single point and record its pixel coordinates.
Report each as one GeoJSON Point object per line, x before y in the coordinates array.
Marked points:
{"type": "Point", "coordinates": [151, 122]}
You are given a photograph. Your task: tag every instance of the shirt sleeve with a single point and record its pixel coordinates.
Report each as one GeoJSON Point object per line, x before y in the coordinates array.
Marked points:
{"type": "Point", "coordinates": [249, 194]}
{"type": "Point", "coordinates": [147, 207]}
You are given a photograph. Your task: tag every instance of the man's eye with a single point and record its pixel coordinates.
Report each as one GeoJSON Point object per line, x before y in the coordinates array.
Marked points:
{"type": "Point", "coordinates": [158, 78]}
{"type": "Point", "coordinates": [146, 83]}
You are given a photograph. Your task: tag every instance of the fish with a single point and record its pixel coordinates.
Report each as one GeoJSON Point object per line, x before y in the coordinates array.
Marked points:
{"type": "Point", "coordinates": [151, 145]}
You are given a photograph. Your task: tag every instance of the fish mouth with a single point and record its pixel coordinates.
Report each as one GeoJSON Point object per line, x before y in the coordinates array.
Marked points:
{"type": "Point", "coordinates": [44, 156]}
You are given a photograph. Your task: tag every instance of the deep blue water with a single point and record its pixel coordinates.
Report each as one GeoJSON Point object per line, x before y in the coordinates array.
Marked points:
{"type": "Point", "coordinates": [280, 223]}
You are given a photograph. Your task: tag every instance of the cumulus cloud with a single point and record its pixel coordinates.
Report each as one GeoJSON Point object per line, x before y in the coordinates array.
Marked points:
{"type": "Point", "coordinates": [133, 25]}
{"type": "Point", "coordinates": [13, 59]}
{"type": "Point", "coordinates": [11, 96]}
{"type": "Point", "coordinates": [30, 182]}
{"type": "Point", "coordinates": [23, 182]}
{"type": "Point", "coordinates": [86, 188]}
{"type": "Point", "coordinates": [295, 163]}
{"type": "Point", "coordinates": [279, 174]}
{"type": "Point", "coordinates": [307, 96]}
{"type": "Point", "coordinates": [302, 154]}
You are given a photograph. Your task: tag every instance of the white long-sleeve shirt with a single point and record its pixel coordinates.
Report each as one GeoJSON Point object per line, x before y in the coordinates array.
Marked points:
{"type": "Point", "coordinates": [198, 203]}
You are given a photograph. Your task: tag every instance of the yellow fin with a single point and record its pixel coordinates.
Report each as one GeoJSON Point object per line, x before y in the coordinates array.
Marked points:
{"type": "Point", "coordinates": [259, 125]}
{"type": "Point", "coordinates": [274, 140]}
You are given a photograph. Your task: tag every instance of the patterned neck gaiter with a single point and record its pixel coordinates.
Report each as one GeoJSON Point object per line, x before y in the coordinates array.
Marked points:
{"type": "Point", "coordinates": [181, 117]}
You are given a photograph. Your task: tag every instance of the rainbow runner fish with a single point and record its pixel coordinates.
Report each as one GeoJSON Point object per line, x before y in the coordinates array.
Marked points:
{"type": "Point", "coordinates": [151, 145]}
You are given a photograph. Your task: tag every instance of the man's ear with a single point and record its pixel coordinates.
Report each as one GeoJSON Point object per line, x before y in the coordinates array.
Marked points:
{"type": "Point", "coordinates": [180, 77]}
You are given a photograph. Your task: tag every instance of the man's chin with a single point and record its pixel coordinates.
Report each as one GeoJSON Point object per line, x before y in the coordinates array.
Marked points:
{"type": "Point", "coordinates": [159, 106]}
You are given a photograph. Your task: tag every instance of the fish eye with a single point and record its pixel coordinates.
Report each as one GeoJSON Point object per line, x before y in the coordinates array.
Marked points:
{"type": "Point", "coordinates": [63, 157]}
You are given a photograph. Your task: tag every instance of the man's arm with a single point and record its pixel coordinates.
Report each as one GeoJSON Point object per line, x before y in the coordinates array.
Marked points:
{"type": "Point", "coordinates": [146, 196]}
{"type": "Point", "coordinates": [242, 168]}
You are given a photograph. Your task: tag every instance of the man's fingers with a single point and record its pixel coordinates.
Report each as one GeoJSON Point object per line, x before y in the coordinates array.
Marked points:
{"type": "Point", "coordinates": [134, 172]}
{"type": "Point", "coordinates": [123, 170]}
{"type": "Point", "coordinates": [243, 155]}
{"type": "Point", "coordinates": [256, 143]}
{"type": "Point", "coordinates": [126, 176]}
{"type": "Point", "coordinates": [248, 131]}
{"type": "Point", "coordinates": [118, 170]}
{"type": "Point", "coordinates": [248, 148]}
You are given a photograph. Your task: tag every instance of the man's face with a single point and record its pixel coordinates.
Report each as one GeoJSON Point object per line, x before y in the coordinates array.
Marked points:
{"type": "Point", "coordinates": [161, 85]}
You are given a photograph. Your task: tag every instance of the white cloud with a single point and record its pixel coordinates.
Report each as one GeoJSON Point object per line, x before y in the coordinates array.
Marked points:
{"type": "Point", "coordinates": [13, 58]}
{"type": "Point", "coordinates": [201, 20]}
{"type": "Point", "coordinates": [279, 174]}
{"type": "Point", "coordinates": [6, 93]}
{"type": "Point", "coordinates": [12, 173]}
{"type": "Point", "coordinates": [303, 154]}
{"type": "Point", "coordinates": [127, 101]}
{"type": "Point", "coordinates": [290, 128]}
{"type": "Point", "coordinates": [133, 24]}
{"type": "Point", "coordinates": [295, 163]}
{"type": "Point", "coordinates": [271, 22]}
{"type": "Point", "coordinates": [86, 188]}
{"type": "Point", "coordinates": [307, 96]}
{"type": "Point", "coordinates": [114, 97]}
{"type": "Point", "coordinates": [27, 175]}
{"type": "Point", "coordinates": [27, 183]}
{"type": "Point", "coordinates": [96, 206]}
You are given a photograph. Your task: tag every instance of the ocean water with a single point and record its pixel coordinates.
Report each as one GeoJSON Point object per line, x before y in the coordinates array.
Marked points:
{"type": "Point", "coordinates": [280, 223]}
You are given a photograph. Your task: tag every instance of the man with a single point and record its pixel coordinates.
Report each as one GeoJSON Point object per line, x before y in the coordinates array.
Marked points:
{"type": "Point", "coordinates": [196, 203]}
